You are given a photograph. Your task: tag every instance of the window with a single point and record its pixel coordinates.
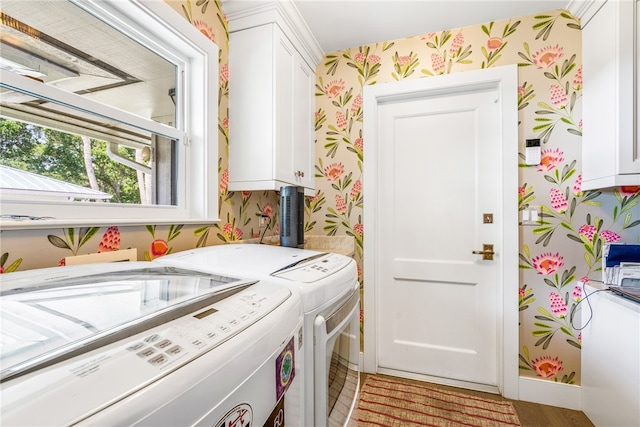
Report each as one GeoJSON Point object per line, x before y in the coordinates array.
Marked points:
{"type": "Point", "coordinates": [110, 109]}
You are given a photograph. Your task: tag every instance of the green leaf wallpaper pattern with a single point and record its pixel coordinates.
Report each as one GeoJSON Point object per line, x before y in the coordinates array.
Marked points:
{"type": "Point", "coordinates": [566, 246]}
{"type": "Point", "coordinates": [554, 256]}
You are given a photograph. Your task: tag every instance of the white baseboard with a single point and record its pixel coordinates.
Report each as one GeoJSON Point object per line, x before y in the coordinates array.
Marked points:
{"type": "Point", "coordinates": [550, 393]}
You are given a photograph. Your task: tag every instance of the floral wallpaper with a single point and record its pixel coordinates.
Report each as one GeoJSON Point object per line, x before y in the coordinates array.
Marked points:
{"type": "Point", "coordinates": [565, 247]}
{"type": "Point", "coordinates": [555, 255]}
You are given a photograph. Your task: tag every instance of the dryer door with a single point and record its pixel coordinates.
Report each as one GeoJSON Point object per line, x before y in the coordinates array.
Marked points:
{"type": "Point", "coordinates": [337, 356]}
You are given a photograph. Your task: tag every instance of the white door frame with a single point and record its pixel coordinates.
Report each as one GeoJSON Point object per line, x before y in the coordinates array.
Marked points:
{"type": "Point", "coordinates": [505, 80]}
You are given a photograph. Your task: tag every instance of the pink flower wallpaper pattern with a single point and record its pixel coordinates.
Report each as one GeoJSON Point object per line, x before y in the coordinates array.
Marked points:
{"type": "Point", "coordinates": [557, 254]}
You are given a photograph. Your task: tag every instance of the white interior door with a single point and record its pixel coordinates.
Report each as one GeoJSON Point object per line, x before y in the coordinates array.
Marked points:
{"type": "Point", "coordinates": [438, 307]}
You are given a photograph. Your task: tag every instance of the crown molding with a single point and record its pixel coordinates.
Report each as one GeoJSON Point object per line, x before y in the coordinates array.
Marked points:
{"type": "Point", "coordinates": [584, 9]}
{"type": "Point", "coordinates": [285, 14]}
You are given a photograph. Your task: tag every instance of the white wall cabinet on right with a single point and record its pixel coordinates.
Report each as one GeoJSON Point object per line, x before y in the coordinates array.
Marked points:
{"type": "Point", "coordinates": [610, 358]}
{"type": "Point", "coordinates": [611, 136]}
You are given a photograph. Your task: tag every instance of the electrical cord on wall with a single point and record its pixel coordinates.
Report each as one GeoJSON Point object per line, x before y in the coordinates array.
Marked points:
{"type": "Point", "coordinates": [266, 228]}
{"type": "Point", "coordinates": [586, 298]}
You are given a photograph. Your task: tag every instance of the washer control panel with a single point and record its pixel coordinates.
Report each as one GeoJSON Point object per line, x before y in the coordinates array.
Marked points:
{"type": "Point", "coordinates": [207, 328]}
{"type": "Point", "coordinates": [88, 382]}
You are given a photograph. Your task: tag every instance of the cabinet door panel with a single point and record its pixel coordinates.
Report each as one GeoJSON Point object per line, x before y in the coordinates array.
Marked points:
{"type": "Point", "coordinates": [251, 106]}
{"type": "Point", "coordinates": [627, 80]}
{"type": "Point", "coordinates": [637, 73]}
{"type": "Point", "coordinates": [599, 71]}
{"type": "Point", "coordinates": [610, 143]}
{"type": "Point", "coordinates": [284, 144]}
{"type": "Point", "coordinates": [610, 354]}
{"type": "Point", "coordinates": [302, 131]}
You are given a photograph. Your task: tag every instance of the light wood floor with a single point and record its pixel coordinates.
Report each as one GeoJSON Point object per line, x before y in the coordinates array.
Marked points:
{"type": "Point", "coordinates": [530, 414]}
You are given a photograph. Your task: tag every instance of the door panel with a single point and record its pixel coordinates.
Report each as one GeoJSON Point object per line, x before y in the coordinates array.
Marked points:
{"type": "Point", "coordinates": [438, 303]}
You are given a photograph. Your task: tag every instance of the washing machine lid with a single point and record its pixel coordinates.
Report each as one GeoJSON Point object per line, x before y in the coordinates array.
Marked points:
{"type": "Point", "coordinates": [52, 316]}
{"type": "Point", "coordinates": [319, 277]}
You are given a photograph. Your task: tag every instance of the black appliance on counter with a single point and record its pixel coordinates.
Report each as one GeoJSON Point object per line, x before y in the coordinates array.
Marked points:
{"type": "Point", "coordinates": [292, 216]}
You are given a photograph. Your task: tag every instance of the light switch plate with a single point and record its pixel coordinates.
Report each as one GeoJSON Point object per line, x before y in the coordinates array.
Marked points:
{"type": "Point", "coordinates": [532, 215]}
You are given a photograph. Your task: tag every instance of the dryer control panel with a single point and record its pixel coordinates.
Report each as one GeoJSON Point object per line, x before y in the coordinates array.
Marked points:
{"type": "Point", "coordinates": [314, 270]}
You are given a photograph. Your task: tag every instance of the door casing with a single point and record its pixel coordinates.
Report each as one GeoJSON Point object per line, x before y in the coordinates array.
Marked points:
{"type": "Point", "coordinates": [505, 80]}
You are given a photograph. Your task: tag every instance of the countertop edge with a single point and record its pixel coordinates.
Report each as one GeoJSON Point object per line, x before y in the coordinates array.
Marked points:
{"type": "Point", "coordinates": [592, 287]}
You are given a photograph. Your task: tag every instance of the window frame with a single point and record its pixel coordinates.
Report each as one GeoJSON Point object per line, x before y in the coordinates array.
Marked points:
{"type": "Point", "coordinates": [157, 26]}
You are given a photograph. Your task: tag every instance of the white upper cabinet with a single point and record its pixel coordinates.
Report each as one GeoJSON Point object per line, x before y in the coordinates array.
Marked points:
{"type": "Point", "coordinates": [271, 100]}
{"type": "Point", "coordinates": [611, 136]}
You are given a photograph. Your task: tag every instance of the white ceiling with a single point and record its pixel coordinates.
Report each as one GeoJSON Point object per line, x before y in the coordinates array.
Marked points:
{"type": "Point", "coordinates": [341, 24]}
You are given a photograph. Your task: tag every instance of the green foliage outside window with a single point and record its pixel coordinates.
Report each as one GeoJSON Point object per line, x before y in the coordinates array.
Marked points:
{"type": "Point", "coordinates": [59, 155]}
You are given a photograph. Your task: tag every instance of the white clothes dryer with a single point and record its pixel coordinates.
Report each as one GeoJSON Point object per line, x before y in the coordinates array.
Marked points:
{"type": "Point", "coordinates": [328, 284]}
{"type": "Point", "coordinates": [144, 344]}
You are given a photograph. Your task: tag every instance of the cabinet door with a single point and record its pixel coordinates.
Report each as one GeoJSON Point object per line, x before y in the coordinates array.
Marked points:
{"type": "Point", "coordinates": [610, 354]}
{"type": "Point", "coordinates": [610, 67]}
{"type": "Point", "coordinates": [285, 61]}
{"type": "Point", "coordinates": [303, 133]}
{"type": "Point", "coordinates": [629, 154]}
{"type": "Point", "coordinates": [294, 111]}
{"type": "Point", "coordinates": [251, 108]}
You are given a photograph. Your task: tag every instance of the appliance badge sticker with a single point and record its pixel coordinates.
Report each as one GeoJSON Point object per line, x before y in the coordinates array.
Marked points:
{"type": "Point", "coordinates": [285, 369]}
{"type": "Point", "coordinates": [276, 418]}
{"type": "Point", "coordinates": [240, 416]}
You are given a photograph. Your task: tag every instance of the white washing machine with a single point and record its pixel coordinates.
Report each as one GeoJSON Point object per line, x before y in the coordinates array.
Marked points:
{"type": "Point", "coordinates": [328, 284]}
{"type": "Point", "coordinates": [144, 344]}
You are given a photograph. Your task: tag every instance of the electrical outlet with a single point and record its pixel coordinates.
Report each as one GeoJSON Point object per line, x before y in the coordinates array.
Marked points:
{"type": "Point", "coordinates": [263, 221]}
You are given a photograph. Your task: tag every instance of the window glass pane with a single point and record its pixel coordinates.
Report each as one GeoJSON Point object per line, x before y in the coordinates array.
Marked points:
{"type": "Point", "coordinates": [68, 81]}
{"type": "Point", "coordinates": [22, 106]}
{"type": "Point", "coordinates": [86, 56]}
{"type": "Point", "coordinates": [64, 154]}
